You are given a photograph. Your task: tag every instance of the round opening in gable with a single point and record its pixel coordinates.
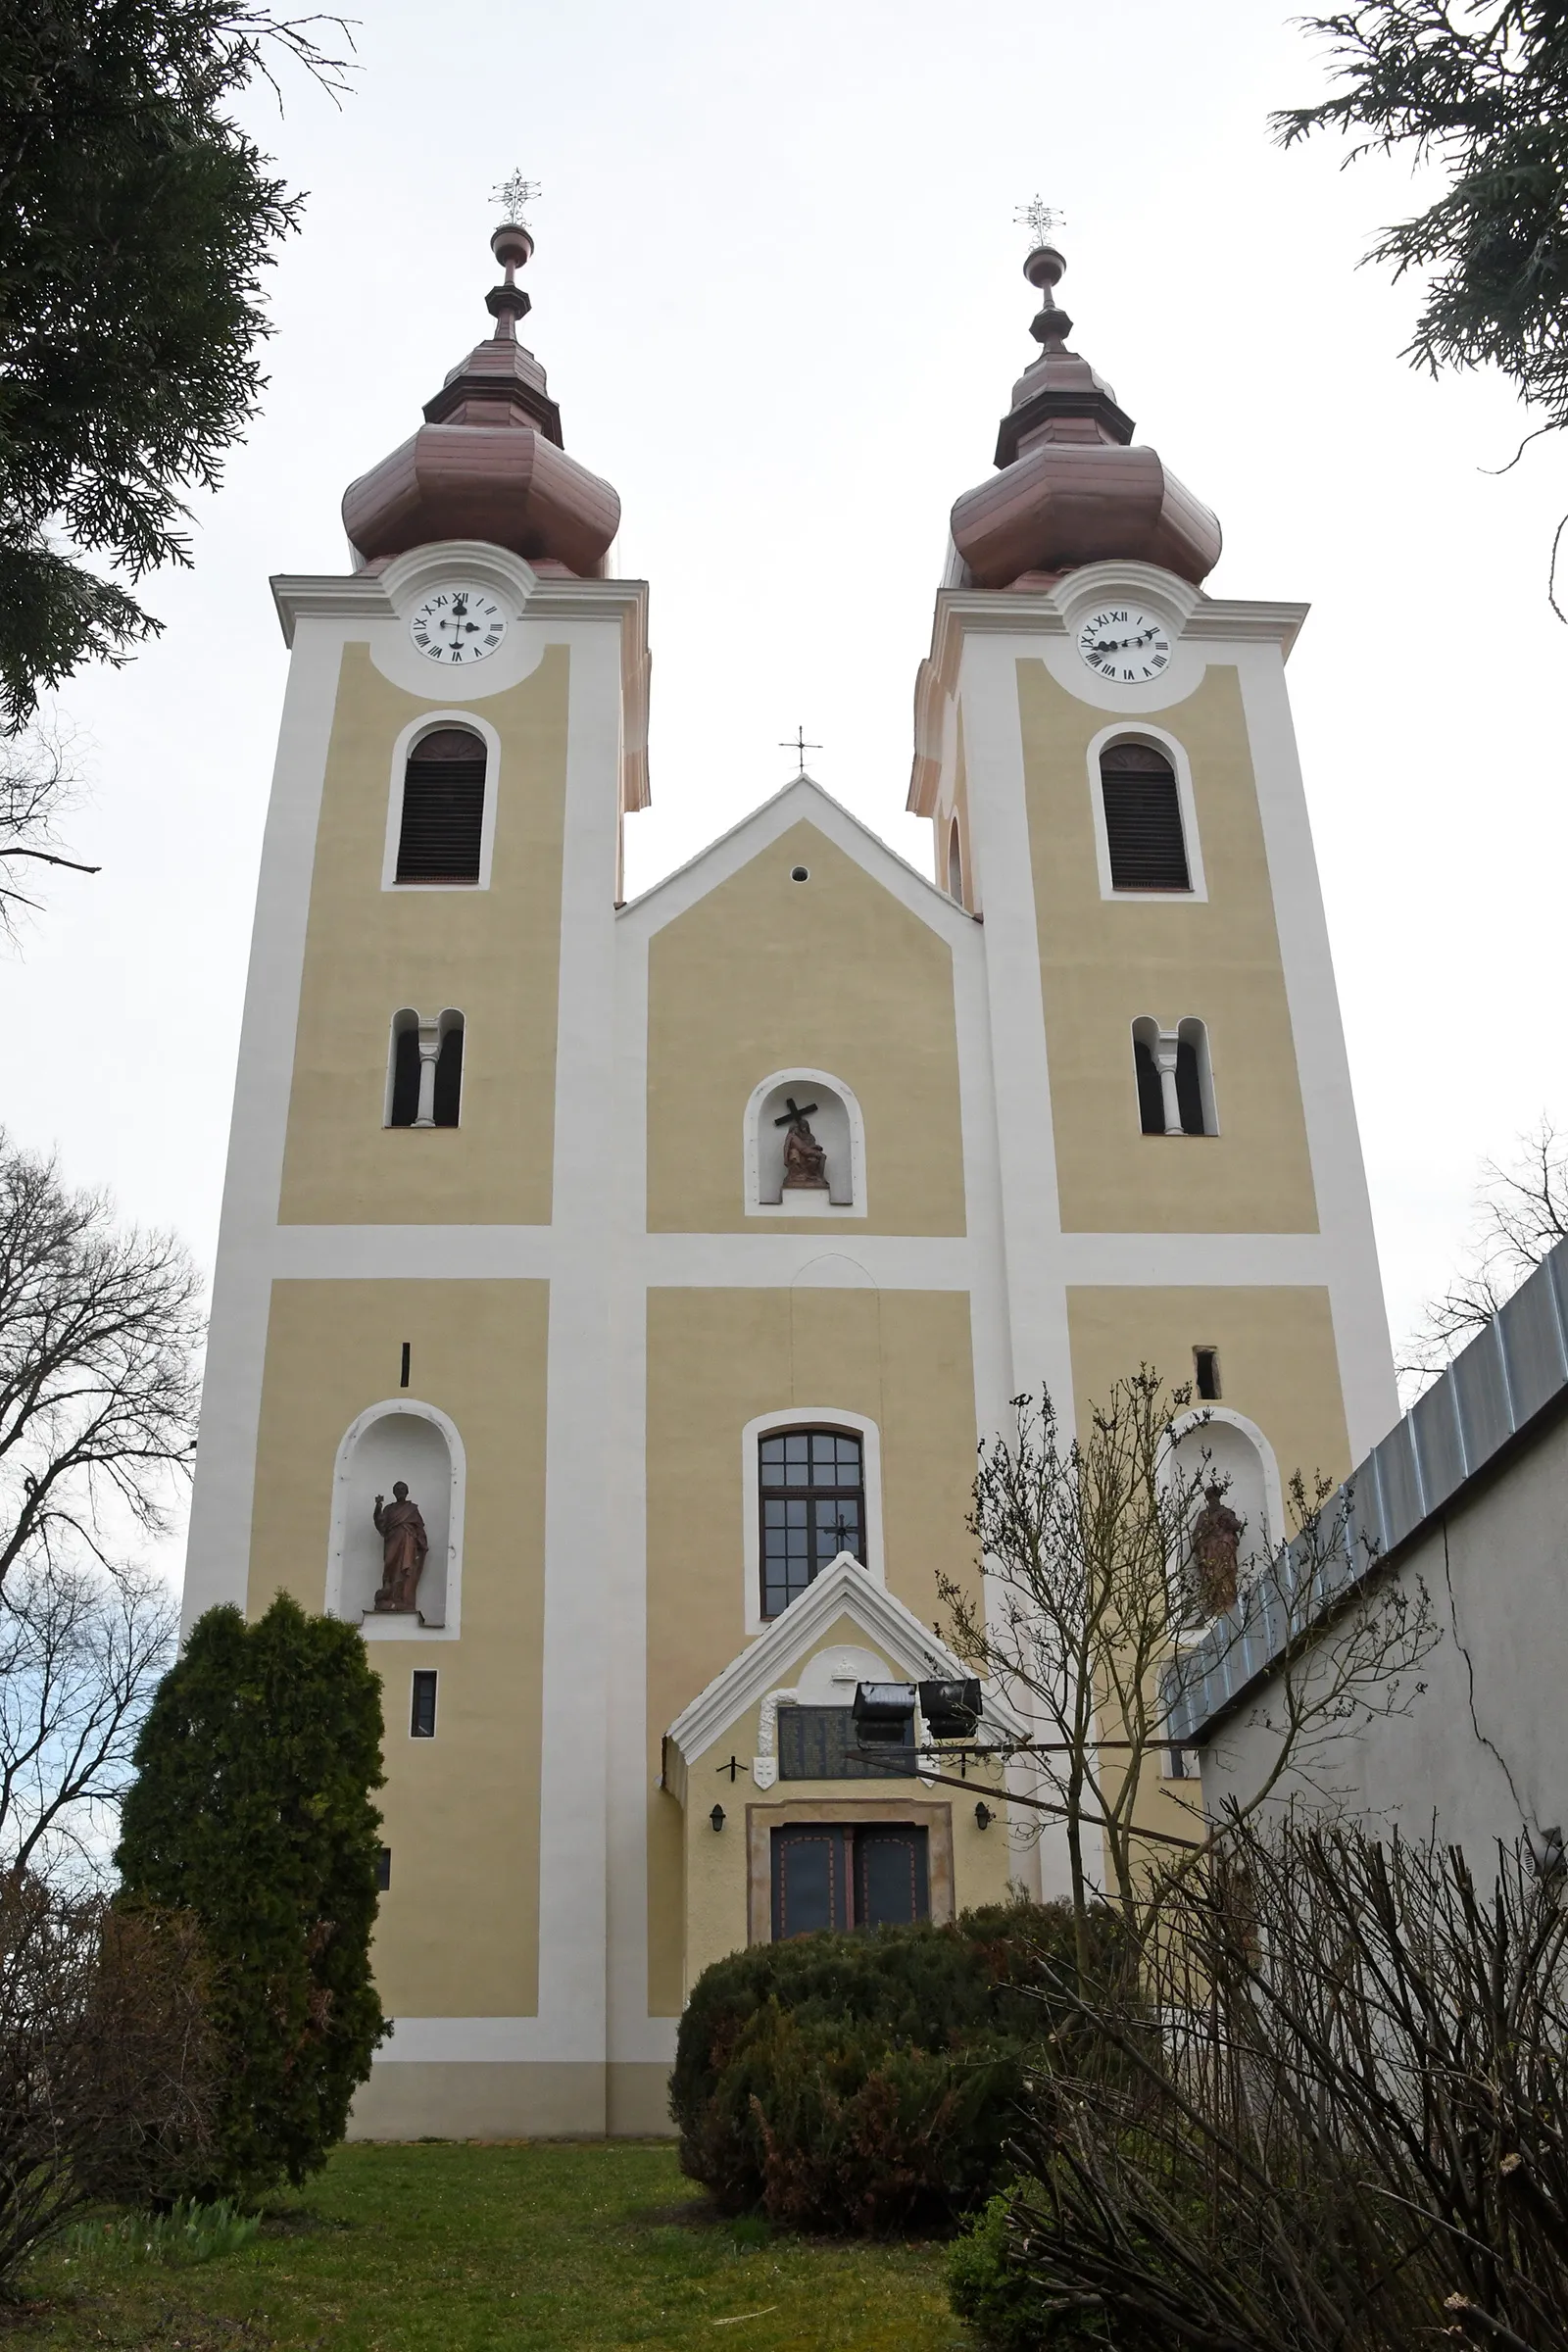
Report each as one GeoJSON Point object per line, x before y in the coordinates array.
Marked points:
{"type": "Point", "coordinates": [800, 873]}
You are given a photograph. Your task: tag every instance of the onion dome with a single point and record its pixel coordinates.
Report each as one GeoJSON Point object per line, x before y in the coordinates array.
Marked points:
{"type": "Point", "coordinates": [488, 461]}
{"type": "Point", "coordinates": [1071, 488]}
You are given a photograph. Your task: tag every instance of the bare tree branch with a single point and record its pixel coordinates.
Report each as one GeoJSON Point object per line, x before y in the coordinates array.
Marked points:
{"type": "Point", "coordinates": [38, 787]}
{"type": "Point", "coordinates": [1520, 1214]}
{"type": "Point", "coordinates": [1087, 1555]}
{"type": "Point", "coordinates": [99, 1326]}
{"type": "Point", "coordinates": [82, 1651]}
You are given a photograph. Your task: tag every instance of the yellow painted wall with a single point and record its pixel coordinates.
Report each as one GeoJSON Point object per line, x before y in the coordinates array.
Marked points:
{"type": "Point", "coordinates": [830, 974]}
{"type": "Point", "coordinates": [493, 954]}
{"type": "Point", "coordinates": [1278, 1363]}
{"type": "Point", "coordinates": [718, 1358]}
{"type": "Point", "coordinates": [1105, 962]}
{"type": "Point", "coordinates": [459, 1928]}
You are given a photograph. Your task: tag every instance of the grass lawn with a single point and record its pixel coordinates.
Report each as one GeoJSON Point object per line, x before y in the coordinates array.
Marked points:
{"type": "Point", "coordinates": [456, 2247]}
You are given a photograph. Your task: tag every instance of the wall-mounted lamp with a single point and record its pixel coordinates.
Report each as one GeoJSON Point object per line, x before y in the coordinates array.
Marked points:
{"type": "Point", "coordinates": [983, 1815]}
{"type": "Point", "coordinates": [716, 1817]}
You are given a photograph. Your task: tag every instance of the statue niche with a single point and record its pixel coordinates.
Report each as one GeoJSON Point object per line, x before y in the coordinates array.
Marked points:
{"type": "Point", "coordinates": [405, 1548]}
{"type": "Point", "coordinates": [805, 1159]}
{"type": "Point", "coordinates": [1217, 1540]}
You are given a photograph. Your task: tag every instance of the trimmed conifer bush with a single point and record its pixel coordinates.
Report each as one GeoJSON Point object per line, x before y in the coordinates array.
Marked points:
{"type": "Point", "coordinates": [252, 1810]}
{"type": "Point", "coordinates": [866, 2081]}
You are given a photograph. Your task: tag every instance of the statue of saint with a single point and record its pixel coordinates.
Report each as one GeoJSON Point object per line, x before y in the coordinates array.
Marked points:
{"type": "Point", "coordinates": [1216, 1540]}
{"type": "Point", "coordinates": [805, 1159]}
{"type": "Point", "coordinates": [404, 1545]}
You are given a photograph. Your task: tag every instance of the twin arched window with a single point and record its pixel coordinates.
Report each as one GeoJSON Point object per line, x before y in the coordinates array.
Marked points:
{"type": "Point", "coordinates": [441, 830]}
{"type": "Point", "coordinates": [424, 1076]}
{"type": "Point", "coordinates": [1145, 836]}
{"type": "Point", "coordinates": [1175, 1077]}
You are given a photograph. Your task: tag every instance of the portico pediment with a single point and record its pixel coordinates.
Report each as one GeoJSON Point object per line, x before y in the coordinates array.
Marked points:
{"type": "Point", "coordinates": [841, 1613]}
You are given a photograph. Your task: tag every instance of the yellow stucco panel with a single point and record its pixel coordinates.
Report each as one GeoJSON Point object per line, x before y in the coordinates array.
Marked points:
{"type": "Point", "coordinates": [718, 1359]}
{"type": "Point", "coordinates": [491, 955]}
{"type": "Point", "coordinates": [459, 1928]}
{"type": "Point", "coordinates": [1107, 961]}
{"type": "Point", "coordinates": [765, 973]}
{"type": "Point", "coordinates": [1279, 1364]}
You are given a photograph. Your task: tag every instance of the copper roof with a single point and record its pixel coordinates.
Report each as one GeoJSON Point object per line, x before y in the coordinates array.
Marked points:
{"type": "Point", "coordinates": [488, 460]}
{"type": "Point", "coordinates": [1071, 488]}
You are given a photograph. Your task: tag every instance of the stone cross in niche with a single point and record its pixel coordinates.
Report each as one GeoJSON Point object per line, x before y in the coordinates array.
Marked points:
{"type": "Point", "coordinates": [805, 1159]}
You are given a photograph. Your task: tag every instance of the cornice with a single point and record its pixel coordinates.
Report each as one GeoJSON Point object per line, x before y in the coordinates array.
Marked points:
{"type": "Point", "coordinates": [384, 594]}
{"type": "Point", "coordinates": [1046, 612]}
{"type": "Point", "coordinates": [845, 1590]}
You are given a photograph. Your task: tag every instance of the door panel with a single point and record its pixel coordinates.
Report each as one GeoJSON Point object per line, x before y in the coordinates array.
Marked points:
{"type": "Point", "coordinates": [890, 1877]}
{"type": "Point", "coordinates": [808, 1881]}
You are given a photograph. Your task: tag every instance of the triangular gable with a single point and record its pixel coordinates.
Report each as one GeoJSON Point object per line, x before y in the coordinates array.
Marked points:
{"type": "Point", "coordinates": [844, 1590]}
{"type": "Point", "coordinates": [803, 799]}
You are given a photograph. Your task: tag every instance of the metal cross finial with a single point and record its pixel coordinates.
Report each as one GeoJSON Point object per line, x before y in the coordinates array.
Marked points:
{"type": "Point", "coordinates": [799, 747]}
{"type": "Point", "coordinates": [1039, 220]}
{"type": "Point", "coordinates": [515, 195]}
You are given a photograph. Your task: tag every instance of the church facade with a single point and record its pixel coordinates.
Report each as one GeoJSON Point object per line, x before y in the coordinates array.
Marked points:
{"type": "Point", "coordinates": [610, 1295]}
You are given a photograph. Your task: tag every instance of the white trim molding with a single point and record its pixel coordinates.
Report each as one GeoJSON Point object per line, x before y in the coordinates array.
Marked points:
{"type": "Point", "coordinates": [397, 1628]}
{"type": "Point", "coordinates": [1142, 730]}
{"type": "Point", "coordinates": [432, 722]}
{"type": "Point", "coordinates": [806, 1203]}
{"type": "Point", "coordinates": [843, 1589]}
{"type": "Point", "coordinates": [806, 1416]}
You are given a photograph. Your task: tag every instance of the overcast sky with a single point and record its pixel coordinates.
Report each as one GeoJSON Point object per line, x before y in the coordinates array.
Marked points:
{"type": "Point", "coordinates": [778, 295]}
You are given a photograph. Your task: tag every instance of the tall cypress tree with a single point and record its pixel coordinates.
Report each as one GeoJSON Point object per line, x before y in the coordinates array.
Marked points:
{"type": "Point", "coordinates": [252, 1809]}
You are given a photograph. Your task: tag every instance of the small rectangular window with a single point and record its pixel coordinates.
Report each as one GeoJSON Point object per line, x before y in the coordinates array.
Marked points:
{"type": "Point", "coordinates": [421, 1713]}
{"type": "Point", "coordinates": [383, 1866]}
{"type": "Point", "coordinates": [1205, 1369]}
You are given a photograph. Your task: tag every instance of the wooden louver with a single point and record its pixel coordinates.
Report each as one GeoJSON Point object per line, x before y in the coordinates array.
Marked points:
{"type": "Point", "coordinates": [443, 810]}
{"type": "Point", "coordinates": [1143, 820]}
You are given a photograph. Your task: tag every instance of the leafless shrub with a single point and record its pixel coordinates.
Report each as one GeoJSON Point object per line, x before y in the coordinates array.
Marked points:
{"type": "Point", "coordinates": [1332, 2113]}
{"type": "Point", "coordinates": [107, 2068]}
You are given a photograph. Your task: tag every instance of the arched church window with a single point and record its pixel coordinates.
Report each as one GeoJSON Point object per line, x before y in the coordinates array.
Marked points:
{"type": "Point", "coordinates": [1195, 1080]}
{"type": "Point", "coordinates": [447, 1093]}
{"type": "Point", "coordinates": [442, 825]}
{"type": "Point", "coordinates": [1144, 834]}
{"type": "Point", "coordinates": [1146, 1068]}
{"type": "Point", "coordinates": [812, 1507]}
{"type": "Point", "coordinates": [954, 864]}
{"type": "Point", "coordinates": [425, 1077]}
{"type": "Point", "coordinates": [1175, 1081]}
{"type": "Point", "coordinates": [402, 1091]}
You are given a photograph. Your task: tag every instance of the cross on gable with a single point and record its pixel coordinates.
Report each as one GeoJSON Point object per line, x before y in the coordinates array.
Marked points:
{"type": "Point", "coordinates": [793, 1116]}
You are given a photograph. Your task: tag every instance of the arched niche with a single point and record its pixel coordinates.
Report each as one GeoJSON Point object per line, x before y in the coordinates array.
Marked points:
{"type": "Point", "coordinates": [1219, 1446]}
{"type": "Point", "coordinates": [837, 1125]}
{"type": "Point", "coordinates": [399, 1439]}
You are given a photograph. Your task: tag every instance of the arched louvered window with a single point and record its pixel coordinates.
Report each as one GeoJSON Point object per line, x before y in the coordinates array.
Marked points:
{"type": "Point", "coordinates": [443, 808]}
{"type": "Point", "coordinates": [1142, 818]}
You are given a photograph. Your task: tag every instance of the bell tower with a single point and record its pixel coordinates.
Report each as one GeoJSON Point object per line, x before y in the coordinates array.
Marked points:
{"type": "Point", "coordinates": [1106, 755]}
{"type": "Point", "coordinates": [411, 1289]}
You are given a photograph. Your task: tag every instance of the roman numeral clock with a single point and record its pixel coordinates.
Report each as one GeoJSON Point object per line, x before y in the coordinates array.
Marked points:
{"type": "Point", "coordinates": [458, 624]}
{"type": "Point", "coordinates": [1125, 643]}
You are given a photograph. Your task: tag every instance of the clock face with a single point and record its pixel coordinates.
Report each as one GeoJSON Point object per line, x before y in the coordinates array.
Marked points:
{"type": "Point", "coordinates": [1125, 643]}
{"type": "Point", "coordinates": [458, 625]}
